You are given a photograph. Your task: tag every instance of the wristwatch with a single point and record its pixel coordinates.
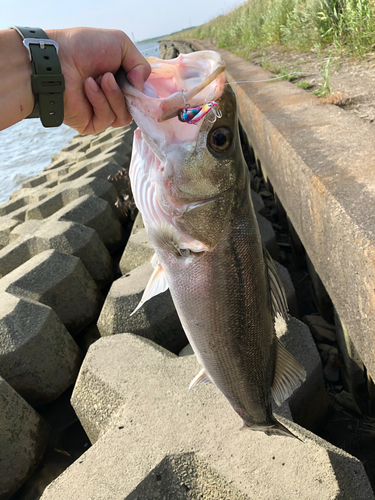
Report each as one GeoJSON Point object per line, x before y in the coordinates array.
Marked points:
{"type": "Point", "coordinates": [47, 81]}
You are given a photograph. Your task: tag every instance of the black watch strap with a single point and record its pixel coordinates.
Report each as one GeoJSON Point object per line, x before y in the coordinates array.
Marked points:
{"type": "Point", "coordinates": [47, 81]}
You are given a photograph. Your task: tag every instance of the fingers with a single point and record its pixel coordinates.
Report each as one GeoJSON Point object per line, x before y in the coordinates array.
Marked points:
{"type": "Point", "coordinates": [135, 65]}
{"type": "Point", "coordinates": [116, 100]}
{"type": "Point", "coordinates": [108, 104]}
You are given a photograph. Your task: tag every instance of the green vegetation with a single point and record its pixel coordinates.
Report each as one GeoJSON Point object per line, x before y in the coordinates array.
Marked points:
{"type": "Point", "coordinates": [304, 85]}
{"type": "Point", "coordinates": [324, 89]}
{"type": "Point", "coordinates": [347, 25]}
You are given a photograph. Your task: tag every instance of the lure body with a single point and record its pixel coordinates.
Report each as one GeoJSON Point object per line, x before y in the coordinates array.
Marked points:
{"type": "Point", "coordinates": [193, 115]}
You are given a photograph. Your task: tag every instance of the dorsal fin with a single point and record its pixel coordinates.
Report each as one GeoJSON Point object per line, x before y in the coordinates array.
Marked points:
{"type": "Point", "coordinates": [289, 373]}
{"type": "Point", "coordinates": [156, 284]}
{"type": "Point", "coordinates": [278, 297]}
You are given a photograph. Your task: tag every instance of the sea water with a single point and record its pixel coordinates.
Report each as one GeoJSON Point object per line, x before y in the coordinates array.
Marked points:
{"type": "Point", "coordinates": [27, 147]}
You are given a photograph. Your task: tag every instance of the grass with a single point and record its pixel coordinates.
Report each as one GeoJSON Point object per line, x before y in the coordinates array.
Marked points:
{"type": "Point", "coordinates": [304, 85]}
{"type": "Point", "coordinates": [326, 72]}
{"type": "Point", "coordinates": [342, 25]}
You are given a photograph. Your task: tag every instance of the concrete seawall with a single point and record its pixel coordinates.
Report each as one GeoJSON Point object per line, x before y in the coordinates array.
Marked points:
{"type": "Point", "coordinates": [68, 266]}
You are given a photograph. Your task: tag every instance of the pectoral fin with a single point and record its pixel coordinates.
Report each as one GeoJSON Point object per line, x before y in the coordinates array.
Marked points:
{"type": "Point", "coordinates": [156, 284]}
{"type": "Point", "coordinates": [201, 378]}
{"type": "Point", "coordinates": [289, 374]}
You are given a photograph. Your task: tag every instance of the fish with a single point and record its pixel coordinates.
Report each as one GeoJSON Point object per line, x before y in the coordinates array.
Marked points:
{"type": "Point", "coordinates": [192, 186]}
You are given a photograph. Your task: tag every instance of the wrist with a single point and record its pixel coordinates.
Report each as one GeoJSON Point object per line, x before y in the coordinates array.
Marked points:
{"type": "Point", "coordinates": [47, 81]}
{"type": "Point", "coordinates": [19, 91]}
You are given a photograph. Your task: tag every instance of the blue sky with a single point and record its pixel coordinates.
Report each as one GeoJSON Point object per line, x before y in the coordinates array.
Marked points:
{"type": "Point", "coordinates": [144, 18]}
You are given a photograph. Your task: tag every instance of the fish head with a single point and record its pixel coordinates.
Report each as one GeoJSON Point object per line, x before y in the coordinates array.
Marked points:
{"type": "Point", "coordinates": [194, 171]}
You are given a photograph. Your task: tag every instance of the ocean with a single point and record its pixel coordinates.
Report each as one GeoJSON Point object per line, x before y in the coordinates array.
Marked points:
{"type": "Point", "coordinates": [27, 147]}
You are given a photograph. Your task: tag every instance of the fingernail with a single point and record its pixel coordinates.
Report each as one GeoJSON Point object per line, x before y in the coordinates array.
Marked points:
{"type": "Point", "coordinates": [92, 84]}
{"type": "Point", "coordinates": [135, 77]}
{"type": "Point", "coordinates": [112, 82]}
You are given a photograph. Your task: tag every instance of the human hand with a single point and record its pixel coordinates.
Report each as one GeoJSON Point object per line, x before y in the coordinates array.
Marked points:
{"type": "Point", "coordinates": [89, 58]}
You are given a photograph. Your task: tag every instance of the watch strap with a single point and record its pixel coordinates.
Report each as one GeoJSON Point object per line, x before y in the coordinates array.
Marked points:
{"type": "Point", "coordinates": [47, 81]}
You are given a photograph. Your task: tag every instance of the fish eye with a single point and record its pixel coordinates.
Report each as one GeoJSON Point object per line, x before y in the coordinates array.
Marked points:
{"type": "Point", "coordinates": [220, 139]}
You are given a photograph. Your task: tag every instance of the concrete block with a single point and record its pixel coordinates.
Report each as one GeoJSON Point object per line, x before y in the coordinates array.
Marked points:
{"type": "Point", "coordinates": [138, 250]}
{"type": "Point", "coordinates": [289, 289]}
{"type": "Point", "coordinates": [61, 282]}
{"type": "Point", "coordinates": [76, 147]}
{"type": "Point", "coordinates": [96, 213]}
{"type": "Point", "coordinates": [67, 237]}
{"type": "Point", "coordinates": [86, 167]}
{"type": "Point", "coordinates": [161, 431]}
{"type": "Point", "coordinates": [29, 227]}
{"type": "Point", "coordinates": [72, 191]}
{"type": "Point", "coordinates": [138, 223]}
{"type": "Point", "coordinates": [78, 144]}
{"type": "Point", "coordinates": [11, 205]}
{"type": "Point", "coordinates": [23, 436]}
{"type": "Point", "coordinates": [38, 357]}
{"type": "Point", "coordinates": [118, 151]}
{"type": "Point", "coordinates": [268, 236]}
{"type": "Point", "coordinates": [157, 319]}
{"type": "Point", "coordinates": [110, 133]}
{"type": "Point", "coordinates": [47, 176]}
{"type": "Point", "coordinates": [7, 224]}
{"type": "Point", "coordinates": [82, 242]}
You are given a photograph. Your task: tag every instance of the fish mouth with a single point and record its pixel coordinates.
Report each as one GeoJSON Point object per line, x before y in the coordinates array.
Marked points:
{"type": "Point", "coordinates": [190, 79]}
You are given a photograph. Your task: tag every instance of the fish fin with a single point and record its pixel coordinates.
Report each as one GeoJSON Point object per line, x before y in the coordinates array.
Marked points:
{"type": "Point", "coordinates": [154, 261]}
{"type": "Point", "coordinates": [156, 284]}
{"type": "Point", "coordinates": [278, 297]}
{"type": "Point", "coordinates": [166, 237]}
{"type": "Point", "coordinates": [201, 378]}
{"type": "Point", "coordinates": [289, 374]}
{"type": "Point", "coordinates": [278, 429]}
{"type": "Point", "coordinates": [274, 429]}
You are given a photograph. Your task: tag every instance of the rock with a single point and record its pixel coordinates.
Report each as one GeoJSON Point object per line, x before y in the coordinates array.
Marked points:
{"type": "Point", "coordinates": [258, 203]}
{"type": "Point", "coordinates": [60, 281]}
{"type": "Point", "coordinates": [186, 351]}
{"type": "Point", "coordinates": [38, 357]}
{"type": "Point", "coordinates": [331, 357]}
{"type": "Point", "coordinates": [133, 396]}
{"type": "Point", "coordinates": [354, 372]}
{"type": "Point", "coordinates": [289, 289]}
{"type": "Point", "coordinates": [268, 236]}
{"type": "Point", "coordinates": [23, 436]}
{"type": "Point", "coordinates": [67, 237]}
{"type": "Point", "coordinates": [321, 330]}
{"type": "Point", "coordinates": [96, 213]}
{"type": "Point", "coordinates": [156, 320]}
{"type": "Point", "coordinates": [138, 250]}
{"type": "Point", "coordinates": [346, 400]}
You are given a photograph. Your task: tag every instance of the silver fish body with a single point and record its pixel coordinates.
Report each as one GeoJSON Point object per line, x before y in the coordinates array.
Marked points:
{"type": "Point", "coordinates": [196, 203]}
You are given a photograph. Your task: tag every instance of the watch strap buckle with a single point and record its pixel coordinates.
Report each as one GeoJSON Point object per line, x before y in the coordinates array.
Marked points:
{"type": "Point", "coordinates": [42, 42]}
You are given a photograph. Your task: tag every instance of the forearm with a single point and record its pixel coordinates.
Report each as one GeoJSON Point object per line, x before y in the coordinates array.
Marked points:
{"type": "Point", "coordinates": [16, 97]}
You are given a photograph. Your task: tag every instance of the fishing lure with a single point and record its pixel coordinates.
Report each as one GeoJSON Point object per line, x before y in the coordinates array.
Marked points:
{"type": "Point", "coordinates": [193, 115]}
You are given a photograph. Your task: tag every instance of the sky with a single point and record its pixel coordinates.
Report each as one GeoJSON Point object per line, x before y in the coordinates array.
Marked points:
{"type": "Point", "coordinates": [139, 19]}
